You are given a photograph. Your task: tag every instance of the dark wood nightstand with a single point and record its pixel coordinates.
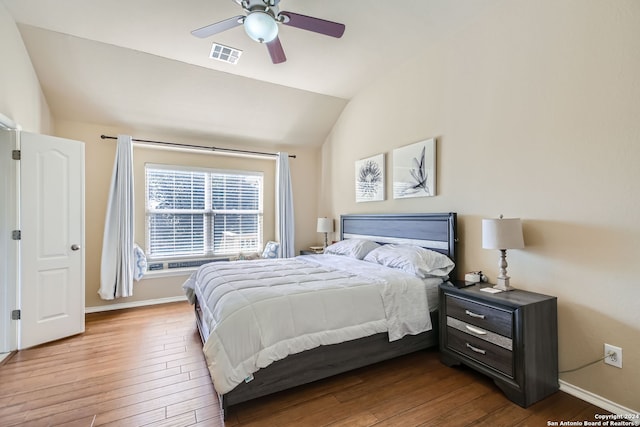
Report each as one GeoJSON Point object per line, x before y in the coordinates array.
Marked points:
{"type": "Point", "coordinates": [510, 336]}
{"type": "Point", "coordinates": [308, 252]}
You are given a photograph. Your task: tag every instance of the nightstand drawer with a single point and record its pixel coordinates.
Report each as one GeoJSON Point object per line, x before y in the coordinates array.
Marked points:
{"type": "Point", "coordinates": [482, 351]}
{"type": "Point", "coordinates": [492, 337]}
{"type": "Point", "coordinates": [486, 317]}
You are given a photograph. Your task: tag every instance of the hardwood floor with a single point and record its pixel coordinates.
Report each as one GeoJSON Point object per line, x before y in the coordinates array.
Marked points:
{"type": "Point", "coordinates": [145, 367]}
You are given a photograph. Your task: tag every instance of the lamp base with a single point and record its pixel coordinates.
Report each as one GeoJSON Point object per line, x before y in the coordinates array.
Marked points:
{"type": "Point", "coordinates": [502, 283]}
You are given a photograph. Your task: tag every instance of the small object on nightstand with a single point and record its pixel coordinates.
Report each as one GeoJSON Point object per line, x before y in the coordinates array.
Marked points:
{"type": "Point", "coordinates": [491, 290]}
{"type": "Point", "coordinates": [472, 278]}
{"type": "Point", "coordinates": [317, 249]}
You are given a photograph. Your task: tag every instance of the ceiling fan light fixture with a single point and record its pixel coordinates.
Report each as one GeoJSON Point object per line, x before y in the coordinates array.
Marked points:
{"type": "Point", "coordinates": [261, 26]}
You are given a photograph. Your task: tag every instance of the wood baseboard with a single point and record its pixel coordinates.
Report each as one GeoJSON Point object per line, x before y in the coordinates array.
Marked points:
{"type": "Point", "coordinates": [133, 304]}
{"type": "Point", "coordinates": [597, 400]}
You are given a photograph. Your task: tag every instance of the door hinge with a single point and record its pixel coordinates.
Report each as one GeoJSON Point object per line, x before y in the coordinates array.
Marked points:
{"type": "Point", "coordinates": [15, 315]}
{"type": "Point", "coordinates": [16, 235]}
{"type": "Point", "coordinates": [16, 155]}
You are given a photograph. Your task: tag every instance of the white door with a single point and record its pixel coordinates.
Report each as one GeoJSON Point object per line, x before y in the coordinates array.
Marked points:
{"type": "Point", "coordinates": [9, 248]}
{"type": "Point", "coordinates": [52, 238]}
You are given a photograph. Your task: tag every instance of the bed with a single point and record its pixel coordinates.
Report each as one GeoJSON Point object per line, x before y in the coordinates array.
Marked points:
{"type": "Point", "coordinates": [346, 285]}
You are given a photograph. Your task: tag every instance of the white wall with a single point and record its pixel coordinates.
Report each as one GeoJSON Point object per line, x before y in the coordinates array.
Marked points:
{"type": "Point", "coordinates": [536, 108]}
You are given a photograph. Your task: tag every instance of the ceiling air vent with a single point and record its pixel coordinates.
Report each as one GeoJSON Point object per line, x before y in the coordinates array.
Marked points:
{"type": "Point", "coordinates": [225, 53]}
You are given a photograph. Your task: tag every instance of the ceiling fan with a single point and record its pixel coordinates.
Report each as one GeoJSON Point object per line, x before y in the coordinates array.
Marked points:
{"type": "Point", "coordinates": [261, 24]}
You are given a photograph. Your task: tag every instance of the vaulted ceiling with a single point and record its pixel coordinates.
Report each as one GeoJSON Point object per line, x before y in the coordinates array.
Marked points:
{"type": "Point", "coordinates": [134, 64]}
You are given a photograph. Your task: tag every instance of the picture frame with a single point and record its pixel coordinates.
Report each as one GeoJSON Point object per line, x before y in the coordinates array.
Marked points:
{"type": "Point", "coordinates": [414, 170]}
{"type": "Point", "coordinates": [370, 179]}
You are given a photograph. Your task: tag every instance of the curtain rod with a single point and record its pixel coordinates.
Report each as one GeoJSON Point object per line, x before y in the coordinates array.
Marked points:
{"type": "Point", "coordinates": [200, 147]}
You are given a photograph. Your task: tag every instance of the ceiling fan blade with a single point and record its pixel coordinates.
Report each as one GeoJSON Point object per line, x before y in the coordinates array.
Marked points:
{"type": "Point", "coordinates": [276, 51]}
{"type": "Point", "coordinates": [218, 27]}
{"type": "Point", "coordinates": [316, 25]}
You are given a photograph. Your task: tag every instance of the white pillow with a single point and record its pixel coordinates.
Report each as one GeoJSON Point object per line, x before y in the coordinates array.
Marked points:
{"type": "Point", "coordinates": [354, 248]}
{"type": "Point", "coordinates": [415, 260]}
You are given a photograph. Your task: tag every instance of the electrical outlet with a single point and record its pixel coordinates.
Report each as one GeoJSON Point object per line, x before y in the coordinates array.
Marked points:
{"type": "Point", "coordinates": [613, 355]}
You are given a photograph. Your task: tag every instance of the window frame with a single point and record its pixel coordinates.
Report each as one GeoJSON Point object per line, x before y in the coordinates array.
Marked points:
{"type": "Point", "coordinates": [208, 212]}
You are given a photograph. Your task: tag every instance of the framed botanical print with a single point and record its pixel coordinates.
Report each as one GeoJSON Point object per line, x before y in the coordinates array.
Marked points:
{"type": "Point", "coordinates": [414, 170]}
{"type": "Point", "coordinates": [370, 179]}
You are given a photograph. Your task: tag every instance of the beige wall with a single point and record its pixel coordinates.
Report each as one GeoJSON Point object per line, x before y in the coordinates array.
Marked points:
{"type": "Point", "coordinates": [21, 98]}
{"type": "Point", "coordinates": [536, 108]}
{"type": "Point", "coordinates": [99, 165]}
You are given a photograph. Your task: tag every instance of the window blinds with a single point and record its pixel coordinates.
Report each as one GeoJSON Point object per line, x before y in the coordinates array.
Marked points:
{"type": "Point", "coordinates": [201, 213]}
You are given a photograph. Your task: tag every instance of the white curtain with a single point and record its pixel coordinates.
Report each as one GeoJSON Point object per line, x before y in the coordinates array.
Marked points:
{"type": "Point", "coordinates": [117, 265]}
{"type": "Point", "coordinates": [285, 224]}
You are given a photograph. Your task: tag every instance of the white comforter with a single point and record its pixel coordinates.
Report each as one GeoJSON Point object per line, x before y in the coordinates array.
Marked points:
{"type": "Point", "coordinates": [260, 311]}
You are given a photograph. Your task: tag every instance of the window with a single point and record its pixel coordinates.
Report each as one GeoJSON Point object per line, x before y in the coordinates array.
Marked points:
{"type": "Point", "coordinates": [199, 213]}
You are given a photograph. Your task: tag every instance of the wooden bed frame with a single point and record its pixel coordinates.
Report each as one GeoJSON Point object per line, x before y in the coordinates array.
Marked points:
{"type": "Point", "coordinates": [433, 231]}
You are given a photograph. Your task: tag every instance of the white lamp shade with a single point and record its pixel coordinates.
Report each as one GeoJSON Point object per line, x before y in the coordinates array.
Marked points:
{"type": "Point", "coordinates": [502, 233]}
{"type": "Point", "coordinates": [261, 26]}
{"type": "Point", "coordinates": [325, 225]}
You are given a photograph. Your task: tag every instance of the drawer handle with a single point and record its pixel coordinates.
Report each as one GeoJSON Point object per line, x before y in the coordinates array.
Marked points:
{"type": "Point", "coordinates": [477, 331]}
{"type": "Point", "coordinates": [472, 314]}
{"type": "Point", "coordinates": [476, 349]}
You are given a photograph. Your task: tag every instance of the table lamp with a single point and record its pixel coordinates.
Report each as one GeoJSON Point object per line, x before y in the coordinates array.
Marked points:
{"type": "Point", "coordinates": [502, 233]}
{"type": "Point", "coordinates": [325, 225]}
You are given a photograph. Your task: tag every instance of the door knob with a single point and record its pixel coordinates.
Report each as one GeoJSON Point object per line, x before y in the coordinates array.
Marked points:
{"type": "Point", "coordinates": [75, 247]}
